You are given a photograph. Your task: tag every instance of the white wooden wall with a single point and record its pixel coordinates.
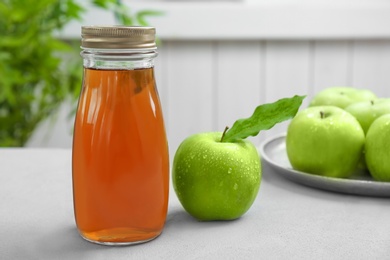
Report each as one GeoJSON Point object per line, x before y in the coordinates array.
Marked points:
{"type": "Point", "coordinates": [205, 85]}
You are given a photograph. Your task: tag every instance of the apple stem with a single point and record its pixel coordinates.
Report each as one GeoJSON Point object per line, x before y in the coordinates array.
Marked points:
{"type": "Point", "coordinates": [372, 102]}
{"type": "Point", "coordinates": [322, 114]}
{"type": "Point", "coordinates": [224, 132]}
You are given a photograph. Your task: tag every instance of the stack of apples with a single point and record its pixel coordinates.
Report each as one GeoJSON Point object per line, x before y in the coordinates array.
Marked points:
{"type": "Point", "coordinates": [343, 130]}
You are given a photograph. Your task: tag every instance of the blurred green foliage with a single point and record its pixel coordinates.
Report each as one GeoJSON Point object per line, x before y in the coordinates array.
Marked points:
{"type": "Point", "coordinates": [38, 71]}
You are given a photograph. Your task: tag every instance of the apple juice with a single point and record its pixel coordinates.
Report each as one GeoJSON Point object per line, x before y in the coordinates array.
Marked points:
{"type": "Point", "coordinates": [120, 157]}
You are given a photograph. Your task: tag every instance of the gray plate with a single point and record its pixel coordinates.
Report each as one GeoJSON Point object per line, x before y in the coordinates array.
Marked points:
{"type": "Point", "coordinates": [273, 151]}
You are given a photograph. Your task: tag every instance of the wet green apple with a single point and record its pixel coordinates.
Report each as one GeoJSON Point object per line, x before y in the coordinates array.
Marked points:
{"type": "Point", "coordinates": [377, 148]}
{"type": "Point", "coordinates": [341, 96]}
{"type": "Point", "coordinates": [325, 140]}
{"type": "Point", "coordinates": [216, 176]}
{"type": "Point", "coordinates": [367, 111]}
{"type": "Point", "coordinates": [216, 180]}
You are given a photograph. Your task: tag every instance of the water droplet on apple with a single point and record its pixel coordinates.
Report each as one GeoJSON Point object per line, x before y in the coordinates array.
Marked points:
{"type": "Point", "coordinates": [230, 171]}
{"type": "Point", "coordinates": [235, 186]}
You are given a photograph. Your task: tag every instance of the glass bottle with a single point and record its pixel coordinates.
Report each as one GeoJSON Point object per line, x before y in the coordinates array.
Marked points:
{"type": "Point", "coordinates": [120, 164]}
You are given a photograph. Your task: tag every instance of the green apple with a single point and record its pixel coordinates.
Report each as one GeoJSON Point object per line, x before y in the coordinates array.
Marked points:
{"type": "Point", "coordinates": [216, 180]}
{"type": "Point", "coordinates": [325, 140]}
{"type": "Point", "coordinates": [377, 150]}
{"type": "Point", "coordinates": [216, 176]}
{"type": "Point", "coordinates": [367, 111]}
{"type": "Point", "coordinates": [341, 96]}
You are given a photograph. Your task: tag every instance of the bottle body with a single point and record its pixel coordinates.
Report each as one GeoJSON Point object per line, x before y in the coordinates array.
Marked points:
{"type": "Point", "coordinates": [120, 158]}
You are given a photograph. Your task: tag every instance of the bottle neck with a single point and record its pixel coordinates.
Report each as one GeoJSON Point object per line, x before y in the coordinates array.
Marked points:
{"type": "Point", "coordinates": [118, 59]}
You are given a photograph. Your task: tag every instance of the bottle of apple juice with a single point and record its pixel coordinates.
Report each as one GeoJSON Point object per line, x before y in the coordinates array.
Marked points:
{"type": "Point", "coordinates": [120, 162]}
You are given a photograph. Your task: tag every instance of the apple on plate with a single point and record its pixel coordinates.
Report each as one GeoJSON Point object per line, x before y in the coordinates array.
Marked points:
{"type": "Point", "coordinates": [367, 111]}
{"type": "Point", "coordinates": [215, 175]}
{"type": "Point", "coordinates": [325, 140]}
{"type": "Point", "coordinates": [377, 148]}
{"type": "Point", "coordinates": [341, 96]}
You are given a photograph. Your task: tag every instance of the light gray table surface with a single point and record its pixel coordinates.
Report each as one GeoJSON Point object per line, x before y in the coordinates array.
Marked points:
{"type": "Point", "coordinates": [287, 220]}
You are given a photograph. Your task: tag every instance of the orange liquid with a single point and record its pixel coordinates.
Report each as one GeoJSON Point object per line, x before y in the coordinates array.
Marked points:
{"type": "Point", "coordinates": [120, 158]}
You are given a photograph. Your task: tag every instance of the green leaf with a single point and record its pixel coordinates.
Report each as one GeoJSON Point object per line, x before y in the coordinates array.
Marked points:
{"type": "Point", "coordinates": [141, 16]}
{"type": "Point", "coordinates": [264, 118]}
{"type": "Point", "coordinates": [104, 3]}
